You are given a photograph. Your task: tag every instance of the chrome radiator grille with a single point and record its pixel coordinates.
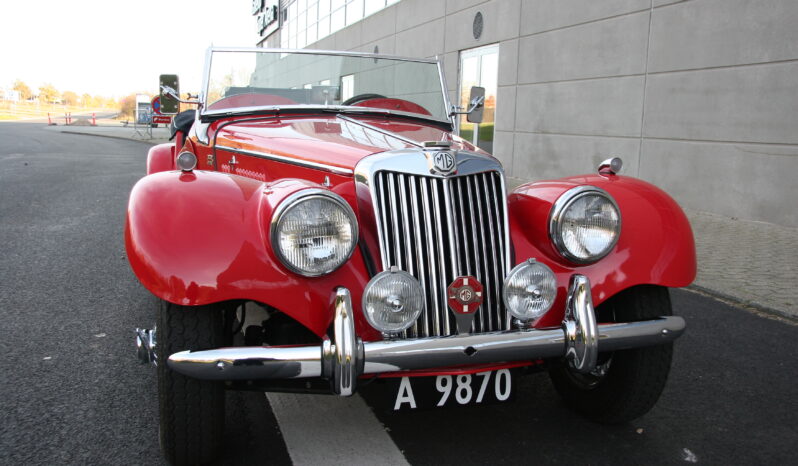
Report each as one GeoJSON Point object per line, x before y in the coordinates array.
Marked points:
{"type": "Point", "coordinates": [437, 229]}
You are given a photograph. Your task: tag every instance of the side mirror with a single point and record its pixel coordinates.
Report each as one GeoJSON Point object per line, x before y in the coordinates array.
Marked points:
{"type": "Point", "coordinates": [476, 105]}
{"type": "Point", "coordinates": [169, 86]}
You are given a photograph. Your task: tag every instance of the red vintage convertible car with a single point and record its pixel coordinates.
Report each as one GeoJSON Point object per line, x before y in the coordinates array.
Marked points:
{"type": "Point", "coordinates": [318, 224]}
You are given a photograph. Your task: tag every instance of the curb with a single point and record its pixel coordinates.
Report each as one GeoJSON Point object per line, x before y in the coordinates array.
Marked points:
{"type": "Point", "coordinates": [762, 311]}
{"type": "Point", "coordinates": [80, 133]}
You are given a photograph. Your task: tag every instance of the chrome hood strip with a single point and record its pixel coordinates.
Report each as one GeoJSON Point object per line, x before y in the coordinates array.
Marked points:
{"type": "Point", "coordinates": [289, 160]}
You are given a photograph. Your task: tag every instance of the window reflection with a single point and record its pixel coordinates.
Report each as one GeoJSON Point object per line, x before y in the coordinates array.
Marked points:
{"type": "Point", "coordinates": [479, 67]}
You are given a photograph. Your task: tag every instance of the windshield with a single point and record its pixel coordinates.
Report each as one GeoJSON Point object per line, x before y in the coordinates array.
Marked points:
{"type": "Point", "coordinates": [247, 79]}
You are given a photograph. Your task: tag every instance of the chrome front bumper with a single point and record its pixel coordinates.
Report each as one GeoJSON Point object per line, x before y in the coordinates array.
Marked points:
{"type": "Point", "coordinates": [345, 357]}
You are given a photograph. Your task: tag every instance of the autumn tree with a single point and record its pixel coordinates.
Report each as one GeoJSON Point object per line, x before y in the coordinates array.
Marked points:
{"type": "Point", "coordinates": [23, 89]}
{"type": "Point", "coordinates": [69, 98]}
{"type": "Point", "coordinates": [48, 93]}
{"type": "Point", "coordinates": [127, 106]}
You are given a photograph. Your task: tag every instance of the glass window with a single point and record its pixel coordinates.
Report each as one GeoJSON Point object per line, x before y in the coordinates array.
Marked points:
{"type": "Point", "coordinates": [337, 20]}
{"type": "Point", "coordinates": [354, 11]}
{"type": "Point", "coordinates": [373, 6]}
{"type": "Point", "coordinates": [479, 67]}
{"type": "Point", "coordinates": [250, 80]}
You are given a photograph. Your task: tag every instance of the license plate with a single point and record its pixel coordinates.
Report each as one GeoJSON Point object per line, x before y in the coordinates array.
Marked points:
{"type": "Point", "coordinates": [453, 390]}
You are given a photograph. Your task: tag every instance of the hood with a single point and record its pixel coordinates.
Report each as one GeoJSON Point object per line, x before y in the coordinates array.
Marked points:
{"type": "Point", "coordinates": [340, 141]}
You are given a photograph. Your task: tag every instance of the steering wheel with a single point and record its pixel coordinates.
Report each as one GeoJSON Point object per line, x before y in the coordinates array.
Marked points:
{"type": "Point", "coordinates": [361, 97]}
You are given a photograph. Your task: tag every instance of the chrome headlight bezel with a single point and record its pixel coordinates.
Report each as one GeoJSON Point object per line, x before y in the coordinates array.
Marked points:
{"type": "Point", "coordinates": [296, 199]}
{"type": "Point", "coordinates": [561, 206]}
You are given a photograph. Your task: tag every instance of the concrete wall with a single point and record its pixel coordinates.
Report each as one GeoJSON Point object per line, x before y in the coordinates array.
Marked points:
{"type": "Point", "coordinates": [699, 97]}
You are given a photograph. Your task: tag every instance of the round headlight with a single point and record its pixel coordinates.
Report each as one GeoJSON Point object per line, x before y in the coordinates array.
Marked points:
{"type": "Point", "coordinates": [313, 232]}
{"type": "Point", "coordinates": [392, 301]}
{"type": "Point", "coordinates": [585, 224]}
{"type": "Point", "coordinates": [529, 290]}
{"type": "Point", "coordinates": [186, 161]}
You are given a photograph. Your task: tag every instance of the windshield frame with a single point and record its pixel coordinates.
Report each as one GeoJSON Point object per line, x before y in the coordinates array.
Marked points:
{"type": "Point", "coordinates": [206, 115]}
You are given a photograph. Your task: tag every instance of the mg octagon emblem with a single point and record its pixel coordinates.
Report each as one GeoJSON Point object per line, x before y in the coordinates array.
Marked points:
{"type": "Point", "coordinates": [464, 298]}
{"type": "Point", "coordinates": [465, 295]}
{"type": "Point", "coordinates": [443, 162]}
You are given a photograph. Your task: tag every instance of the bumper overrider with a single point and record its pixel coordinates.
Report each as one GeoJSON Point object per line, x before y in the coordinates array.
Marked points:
{"type": "Point", "coordinates": [345, 357]}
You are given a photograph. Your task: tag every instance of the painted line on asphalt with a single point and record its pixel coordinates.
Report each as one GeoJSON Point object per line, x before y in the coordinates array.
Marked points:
{"type": "Point", "coordinates": [324, 429]}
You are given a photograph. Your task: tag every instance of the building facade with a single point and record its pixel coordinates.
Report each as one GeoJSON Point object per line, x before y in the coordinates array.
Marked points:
{"type": "Point", "coordinates": [699, 97]}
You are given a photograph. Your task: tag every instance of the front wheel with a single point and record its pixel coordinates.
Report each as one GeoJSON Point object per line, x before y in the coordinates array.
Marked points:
{"type": "Point", "coordinates": [625, 384]}
{"type": "Point", "coordinates": [191, 410]}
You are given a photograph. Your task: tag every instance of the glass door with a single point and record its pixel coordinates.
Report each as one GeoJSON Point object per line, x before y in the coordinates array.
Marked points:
{"type": "Point", "coordinates": [479, 67]}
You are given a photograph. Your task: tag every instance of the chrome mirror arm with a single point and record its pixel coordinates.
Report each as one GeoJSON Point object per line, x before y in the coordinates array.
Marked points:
{"type": "Point", "coordinates": [173, 94]}
{"type": "Point", "coordinates": [475, 103]}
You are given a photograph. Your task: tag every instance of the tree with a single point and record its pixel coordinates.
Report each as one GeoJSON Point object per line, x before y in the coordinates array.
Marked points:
{"type": "Point", "coordinates": [23, 89]}
{"type": "Point", "coordinates": [87, 101]}
{"type": "Point", "coordinates": [127, 106]}
{"type": "Point", "coordinates": [49, 94]}
{"type": "Point", "coordinates": [69, 98]}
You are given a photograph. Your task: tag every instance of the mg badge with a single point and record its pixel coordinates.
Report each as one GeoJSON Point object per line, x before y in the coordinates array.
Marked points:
{"type": "Point", "coordinates": [465, 295]}
{"type": "Point", "coordinates": [443, 162]}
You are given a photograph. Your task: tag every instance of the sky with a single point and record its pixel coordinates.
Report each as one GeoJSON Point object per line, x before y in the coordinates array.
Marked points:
{"type": "Point", "coordinates": [113, 48]}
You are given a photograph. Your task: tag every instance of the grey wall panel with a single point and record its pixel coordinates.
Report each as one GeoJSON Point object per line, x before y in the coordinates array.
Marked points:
{"type": "Point", "coordinates": [503, 149]}
{"type": "Point", "coordinates": [425, 40]}
{"type": "Point", "coordinates": [658, 3]}
{"type": "Point", "coordinates": [583, 66]}
{"type": "Point", "coordinates": [386, 46]}
{"type": "Point", "coordinates": [350, 37]}
{"type": "Point", "coordinates": [453, 6]}
{"type": "Point", "coordinates": [601, 107]}
{"type": "Point", "coordinates": [546, 15]}
{"type": "Point", "coordinates": [545, 156]}
{"type": "Point", "coordinates": [709, 33]}
{"type": "Point", "coordinates": [411, 13]}
{"type": "Point", "coordinates": [615, 47]}
{"type": "Point", "coordinates": [739, 180]}
{"type": "Point", "coordinates": [500, 22]}
{"type": "Point", "coordinates": [379, 25]}
{"type": "Point", "coordinates": [451, 64]}
{"type": "Point", "coordinates": [505, 108]}
{"type": "Point", "coordinates": [508, 62]}
{"type": "Point", "coordinates": [750, 104]}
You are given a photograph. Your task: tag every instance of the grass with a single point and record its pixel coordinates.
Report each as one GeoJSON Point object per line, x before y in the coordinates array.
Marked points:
{"type": "Point", "coordinates": [485, 132]}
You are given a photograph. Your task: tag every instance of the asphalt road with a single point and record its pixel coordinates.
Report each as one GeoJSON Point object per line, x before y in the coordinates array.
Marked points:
{"type": "Point", "coordinates": [71, 391]}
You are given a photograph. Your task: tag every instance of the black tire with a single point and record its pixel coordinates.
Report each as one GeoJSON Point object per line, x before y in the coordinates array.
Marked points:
{"type": "Point", "coordinates": [191, 410]}
{"type": "Point", "coordinates": [628, 383]}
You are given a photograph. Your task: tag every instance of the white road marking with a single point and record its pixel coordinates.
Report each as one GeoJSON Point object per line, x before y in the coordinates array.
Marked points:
{"type": "Point", "coordinates": [326, 429]}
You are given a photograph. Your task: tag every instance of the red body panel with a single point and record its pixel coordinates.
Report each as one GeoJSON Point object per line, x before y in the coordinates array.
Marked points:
{"type": "Point", "coordinates": [656, 245]}
{"type": "Point", "coordinates": [161, 158]}
{"type": "Point", "coordinates": [202, 237]}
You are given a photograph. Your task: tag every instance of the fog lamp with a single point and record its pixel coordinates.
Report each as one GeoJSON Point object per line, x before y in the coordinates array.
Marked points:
{"type": "Point", "coordinates": [529, 290]}
{"type": "Point", "coordinates": [392, 301]}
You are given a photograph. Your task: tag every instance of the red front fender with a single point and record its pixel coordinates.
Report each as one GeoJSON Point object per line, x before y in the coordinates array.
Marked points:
{"type": "Point", "coordinates": [161, 158]}
{"type": "Point", "coordinates": [655, 247]}
{"type": "Point", "coordinates": [202, 237]}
